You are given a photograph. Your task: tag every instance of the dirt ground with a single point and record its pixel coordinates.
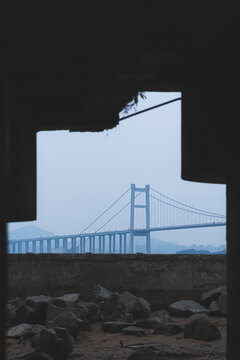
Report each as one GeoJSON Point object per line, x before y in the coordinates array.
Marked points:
{"type": "Point", "coordinates": [96, 345]}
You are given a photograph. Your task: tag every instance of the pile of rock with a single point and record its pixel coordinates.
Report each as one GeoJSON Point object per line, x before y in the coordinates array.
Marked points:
{"type": "Point", "coordinates": [53, 323]}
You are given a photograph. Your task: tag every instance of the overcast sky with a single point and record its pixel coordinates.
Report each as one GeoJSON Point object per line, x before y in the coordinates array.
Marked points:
{"type": "Point", "coordinates": [81, 174]}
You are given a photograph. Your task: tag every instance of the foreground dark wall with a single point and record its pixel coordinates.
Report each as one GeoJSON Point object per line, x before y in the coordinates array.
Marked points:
{"type": "Point", "coordinates": [161, 279]}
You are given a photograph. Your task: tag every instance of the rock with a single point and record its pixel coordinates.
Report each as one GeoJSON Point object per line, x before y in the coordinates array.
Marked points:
{"type": "Point", "coordinates": [21, 330]}
{"type": "Point", "coordinates": [67, 300]}
{"type": "Point", "coordinates": [138, 307]}
{"type": "Point", "coordinates": [151, 322]}
{"type": "Point", "coordinates": [50, 344]}
{"type": "Point", "coordinates": [222, 302]}
{"type": "Point", "coordinates": [91, 309]}
{"type": "Point", "coordinates": [127, 318]}
{"type": "Point", "coordinates": [11, 315]}
{"type": "Point", "coordinates": [33, 310]}
{"type": "Point", "coordinates": [212, 295]}
{"type": "Point", "coordinates": [25, 314]}
{"type": "Point", "coordinates": [157, 318]}
{"type": "Point", "coordinates": [54, 311]}
{"type": "Point", "coordinates": [111, 309]}
{"type": "Point", "coordinates": [39, 304]}
{"type": "Point", "coordinates": [170, 328]}
{"type": "Point", "coordinates": [162, 315]}
{"type": "Point", "coordinates": [133, 330]}
{"type": "Point", "coordinates": [14, 302]}
{"type": "Point", "coordinates": [187, 308]}
{"type": "Point", "coordinates": [39, 356]}
{"type": "Point", "coordinates": [101, 294]}
{"type": "Point", "coordinates": [67, 320]}
{"type": "Point", "coordinates": [214, 309]}
{"type": "Point", "coordinates": [63, 333]}
{"type": "Point", "coordinates": [36, 301]}
{"type": "Point", "coordinates": [144, 355]}
{"type": "Point", "coordinates": [201, 327]}
{"type": "Point", "coordinates": [114, 326]}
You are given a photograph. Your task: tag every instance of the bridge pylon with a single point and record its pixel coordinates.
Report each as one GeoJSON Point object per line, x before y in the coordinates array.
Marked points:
{"type": "Point", "coordinates": [146, 207]}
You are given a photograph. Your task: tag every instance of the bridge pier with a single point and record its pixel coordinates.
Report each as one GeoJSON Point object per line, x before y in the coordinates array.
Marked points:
{"type": "Point", "coordinates": [65, 245]}
{"type": "Point", "coordinates": [114, 243]}
{"type": "Point", "coordinates": [125, 243]}
{"type": "Point", "coordinates": [110, 243]}
{"type": "Point", "coordinates": [103, 244]}
{"type": "Point", "coordinates": [34, 250]}
{"type": "Point", "coordinates": [49, 245]}
{"type": "Point", "coordinates": [56, 243]}
{"type": "Point", "coordinates": [13, 248]}
{"type": "Point", "coordinates": [19, 247]}
{"type": "Point", "coordinates": [120, 243]}
{"type": "Point", "coordinates": [41, 246]}
{"type": "Point", "coordinates": [148, 243]}
{"type": "Point", "coordinates": [74, 243]}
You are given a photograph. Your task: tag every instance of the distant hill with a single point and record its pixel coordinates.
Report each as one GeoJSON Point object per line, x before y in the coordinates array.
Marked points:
{"type": "Point", "coordinates": [193, 251]}
{"type": "Point", "coordinates": [166, 247]}
{"type": "Point", "coordinates": [28, 231]}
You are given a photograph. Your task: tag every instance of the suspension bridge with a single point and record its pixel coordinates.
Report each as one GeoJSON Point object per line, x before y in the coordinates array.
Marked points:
{"type": "Point", "coordinates": [147, 207]}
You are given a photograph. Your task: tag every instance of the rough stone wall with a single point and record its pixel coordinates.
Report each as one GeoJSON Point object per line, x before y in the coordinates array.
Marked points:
{"type": "Point", "coordinates": [161, 279]}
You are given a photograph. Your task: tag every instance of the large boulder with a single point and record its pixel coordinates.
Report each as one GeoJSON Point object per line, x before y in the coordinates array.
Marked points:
{"type": "Point", "coordinates": [39, 356]}
{"type": "Point", "coordinates": [212, 295]}
{"type": "Point", "coordinates": [26, 314]}
{"type": "Point", "coordinates": [101, 294]}
{"type": "Point", "coordinates": [114, 326]}
{"type": "Point", "coordinates": [112, 309]}
{"type": "Point", "coordinates": [214, 309]}
{"type": "Point", "coordinates": [11, 311]}
{"type": "Point", "coordinates": [187, 308]}
{"type": "Point", "coordinates": [222, 302]}
{"type": "Point", "coordinates": [67, 320]}
{"type": "Point", "coordinates": [33, 310]}
{"type": "Point", "coordinates": [145, 354]}
{"type": "Point", "coordinates": [54, 311]}
{"type": "Point", "coordinates": [155, 319]}
{"type": "Point", "coordinates": [138, 307]}
{"type": "Point", "coordinates": [50, 344]}
{"type": "Point", "coordinates": [170, 328]}
{"type": "Point", "coordinates": [201, 327]}
{"type": "Point", "coordinates": [133, 330]}
{"type": "Point", "coordinates": [18, 331]}
{"type": "Point", "coordinates": [92, 310]}
{"type": "Point", "coordinates": [67, 300]}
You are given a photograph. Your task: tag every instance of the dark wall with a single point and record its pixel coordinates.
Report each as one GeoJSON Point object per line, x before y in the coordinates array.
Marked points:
{"type": "Point", "coordinates": [161, 279]}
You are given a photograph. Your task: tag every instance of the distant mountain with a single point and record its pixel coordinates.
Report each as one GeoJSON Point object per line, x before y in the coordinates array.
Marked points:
{"type": "Point", "coordinates": [159, 247]}
{"type": "Point", "coordinates": [29, 231]}
{"type": "Point", "coordinates": [193, 251]}
{"type": "Point", "coordinates": [166, 247]}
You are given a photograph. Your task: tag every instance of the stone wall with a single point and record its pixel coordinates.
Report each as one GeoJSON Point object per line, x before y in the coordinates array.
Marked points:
{"type": "Point", "coordinates": [161, 279]}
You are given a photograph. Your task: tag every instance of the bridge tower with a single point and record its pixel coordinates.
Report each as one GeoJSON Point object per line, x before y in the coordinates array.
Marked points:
{"type": "Point", "coordinates": [146, 207]}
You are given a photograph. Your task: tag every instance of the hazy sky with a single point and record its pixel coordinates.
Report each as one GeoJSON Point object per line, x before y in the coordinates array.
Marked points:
{"type": "Point", "coordinates": [81, 174]}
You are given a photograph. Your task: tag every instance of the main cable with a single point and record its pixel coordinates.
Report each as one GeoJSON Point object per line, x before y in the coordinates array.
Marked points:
{"type": "Point", "coordinates": [190, 211]}
{"type": "Point", "coordinates": [188, 206]}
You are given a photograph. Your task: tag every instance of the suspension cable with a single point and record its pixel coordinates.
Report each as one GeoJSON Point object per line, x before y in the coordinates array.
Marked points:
{"type": "Point", "coordinates": [178, 207]}
{"type": "Point", "coordinates": [191, 207]}
{"type": "Point", "coordinates": [124, 207]}
{"type": "Point", "coordinates": [104, 211]}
